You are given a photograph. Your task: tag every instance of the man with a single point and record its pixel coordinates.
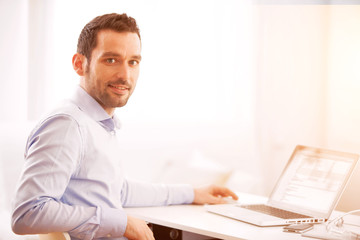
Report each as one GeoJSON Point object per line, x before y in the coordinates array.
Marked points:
{"type": "Point", "coordinates": [72, 179]}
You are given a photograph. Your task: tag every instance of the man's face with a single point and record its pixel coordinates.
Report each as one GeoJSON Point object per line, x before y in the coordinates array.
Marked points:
{"type": "Point", "coordinates": [111, 76]}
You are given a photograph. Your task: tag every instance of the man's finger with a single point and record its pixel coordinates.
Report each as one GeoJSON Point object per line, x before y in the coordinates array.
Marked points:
{"type": "Point", "coordinates": [225, 192]}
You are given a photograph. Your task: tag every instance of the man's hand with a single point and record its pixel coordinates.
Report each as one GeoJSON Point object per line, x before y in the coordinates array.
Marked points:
{"type": "Point", "coordinates": [212, 195]}
{"type": "Point", "coordinates": [137, 229]}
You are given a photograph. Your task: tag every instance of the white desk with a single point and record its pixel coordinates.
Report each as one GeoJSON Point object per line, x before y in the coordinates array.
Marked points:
{"type": "Point", "coordinates": [195, 219]}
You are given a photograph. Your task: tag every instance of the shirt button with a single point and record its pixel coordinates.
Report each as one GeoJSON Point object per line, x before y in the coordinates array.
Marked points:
{"type": "Point", "coordinates": [112, 132]}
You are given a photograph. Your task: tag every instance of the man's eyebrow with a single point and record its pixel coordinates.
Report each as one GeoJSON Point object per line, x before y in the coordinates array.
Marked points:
{"type": "Point", "coordinates": [114, 54]}
{"type": "Point", "coordinates": [137, 57]}
{"type": "Point", "coordinates": [110, 54]}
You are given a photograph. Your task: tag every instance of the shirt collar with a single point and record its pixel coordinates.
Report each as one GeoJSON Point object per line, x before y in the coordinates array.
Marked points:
{"type": "Point", "coordinates": [93, 109]}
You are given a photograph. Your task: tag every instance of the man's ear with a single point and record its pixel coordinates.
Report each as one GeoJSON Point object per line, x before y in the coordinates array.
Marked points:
{"type": "Point", "coordinates": [79, 63]}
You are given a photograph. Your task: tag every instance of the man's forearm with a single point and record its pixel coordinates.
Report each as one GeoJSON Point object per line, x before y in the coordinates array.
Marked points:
{"type": "Point", "coordinates": [48, 215]}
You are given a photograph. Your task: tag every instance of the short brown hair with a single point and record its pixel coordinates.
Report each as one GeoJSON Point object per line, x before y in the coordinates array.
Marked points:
{"type": "Point", "coordinates": [117, 22]}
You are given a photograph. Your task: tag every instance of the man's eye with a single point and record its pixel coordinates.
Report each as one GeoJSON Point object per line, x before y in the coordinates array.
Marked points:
{"type": "Point", "coordinates": [134, 62]}
{"type": "Point", "coordinates": [110, 60]}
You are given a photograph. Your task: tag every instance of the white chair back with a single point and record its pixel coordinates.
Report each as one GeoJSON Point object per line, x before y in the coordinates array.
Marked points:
{"type": "Point", "coordinates": [54, 236]}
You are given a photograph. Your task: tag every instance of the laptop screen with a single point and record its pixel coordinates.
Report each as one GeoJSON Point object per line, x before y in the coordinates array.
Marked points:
{"type": "Point", "coordinates": [313, 181]}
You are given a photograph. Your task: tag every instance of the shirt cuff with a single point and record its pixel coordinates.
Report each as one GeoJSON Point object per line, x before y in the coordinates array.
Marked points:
{"type": "Point", "coordinates": [113, 223]}
{"type": "Point", "coordinates": [181, 194]}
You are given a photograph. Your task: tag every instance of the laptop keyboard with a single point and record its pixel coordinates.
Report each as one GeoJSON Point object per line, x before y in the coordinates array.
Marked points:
{"type": "Point", "coordinates": [280, 213]}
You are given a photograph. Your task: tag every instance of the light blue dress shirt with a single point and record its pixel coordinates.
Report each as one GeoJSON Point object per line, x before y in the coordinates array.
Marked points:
{"type": "Point", "coordinates": [72, 180]}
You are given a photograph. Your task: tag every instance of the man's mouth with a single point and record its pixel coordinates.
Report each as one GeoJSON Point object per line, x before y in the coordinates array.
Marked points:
{"type": "Point", "coordinates": [119, 89]}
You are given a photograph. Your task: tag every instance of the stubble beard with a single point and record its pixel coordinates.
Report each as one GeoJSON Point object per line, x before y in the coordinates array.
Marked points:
{"type": "Point", "coordinates": [103, 95]}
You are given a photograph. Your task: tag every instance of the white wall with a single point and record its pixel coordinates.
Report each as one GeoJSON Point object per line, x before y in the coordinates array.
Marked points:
{"type": "Point", "coordinates": [290, 67]}
{"type": "Point", "coordinates": [307, 81]}
{"type": "Point", "coordinates": [343, 97]}
{"type": "Point", "coordinates": [13, 60]}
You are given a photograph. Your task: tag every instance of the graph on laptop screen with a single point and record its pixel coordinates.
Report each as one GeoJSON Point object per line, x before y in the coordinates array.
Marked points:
{"type": "Point", "coordinates": [313, 180]}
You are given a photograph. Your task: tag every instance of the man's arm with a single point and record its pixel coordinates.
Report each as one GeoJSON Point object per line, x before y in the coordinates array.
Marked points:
{"type": "Point", "coordinates": [52, 156]}
{"type": "Point", "coordinates": [139, 194]}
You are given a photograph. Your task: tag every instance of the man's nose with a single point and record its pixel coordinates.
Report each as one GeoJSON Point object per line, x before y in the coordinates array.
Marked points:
{"type": "Point", "coordinates": [124, 71]}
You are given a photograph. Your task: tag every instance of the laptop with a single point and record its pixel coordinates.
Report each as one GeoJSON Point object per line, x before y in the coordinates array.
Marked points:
{"type": "Point", "coordinates": [306, 192]}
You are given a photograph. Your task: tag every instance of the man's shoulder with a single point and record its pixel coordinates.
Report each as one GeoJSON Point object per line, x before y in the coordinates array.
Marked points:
{"type": "Point", "coordinates": [63, 120]}
{"type": "Point", "coordinates": [66, 111]}
{"type": "Point", "coordinates": [67, 107]}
